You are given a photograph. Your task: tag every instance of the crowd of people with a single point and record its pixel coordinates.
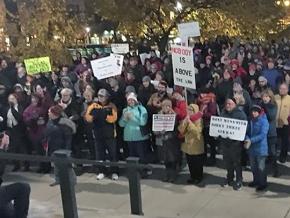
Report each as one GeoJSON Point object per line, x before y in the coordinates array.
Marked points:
{"type": "Point", "coordinates": [112, 118]}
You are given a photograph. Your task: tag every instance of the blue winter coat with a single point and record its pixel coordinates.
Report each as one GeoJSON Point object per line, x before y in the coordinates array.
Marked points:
{"type": "Point", "coordinates": [132, 127]}
{"type": "Point", "coordinates": [273, 77]}
{"type": "Point", "coordinates": [257, 132]}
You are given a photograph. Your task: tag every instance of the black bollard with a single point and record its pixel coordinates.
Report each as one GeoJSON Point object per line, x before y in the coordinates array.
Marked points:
{"type": "Point", "coordinates": [67, 182]}
{"type": "Point", "coordinates": [135, 187]}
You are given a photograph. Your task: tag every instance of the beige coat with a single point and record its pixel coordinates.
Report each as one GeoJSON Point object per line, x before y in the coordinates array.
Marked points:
{"type": "Point", "coordinates": [283, 113]}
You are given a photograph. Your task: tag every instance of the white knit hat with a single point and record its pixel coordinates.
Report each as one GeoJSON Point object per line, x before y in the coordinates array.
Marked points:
{"type": "Point", "coordinates": [133, 96]}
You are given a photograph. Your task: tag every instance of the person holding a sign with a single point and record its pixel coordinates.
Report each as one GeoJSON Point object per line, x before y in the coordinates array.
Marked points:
{"type": "Point", "coordinates": [193, 145]}
{"type": "Point", "coordinates": [231, 148]}
{"type": "Point", "coordinates": [256, 143]}
{"type": "Point", "coordinates": [168, 145]}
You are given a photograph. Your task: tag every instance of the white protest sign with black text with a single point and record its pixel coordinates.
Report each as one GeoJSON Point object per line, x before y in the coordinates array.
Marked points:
{"type": "Point", "coordinates": [183, 66]}
{"type": "Point", "coordinates": [105, 67]}
{"type": "Point", "coordinates": [163, 122]}
{"type": "Point", "coordinates": [120, 48]}
{"type": "Point", "coordinates": [189, 29]}
{"type": "Point", "coordinates": [228, 128]}
{"type": "Point", "coordinates": [119, 63]}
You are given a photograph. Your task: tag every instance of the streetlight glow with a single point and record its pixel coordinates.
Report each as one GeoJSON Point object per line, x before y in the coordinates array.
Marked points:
{"type": "Point", "coordinates": [287, 3]}
{"type": "Point", "coordinates": [88, 29]}
{"type": "Point", "coordinates": [278, 2]}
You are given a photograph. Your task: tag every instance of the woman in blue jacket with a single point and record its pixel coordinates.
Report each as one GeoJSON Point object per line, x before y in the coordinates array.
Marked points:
{"type": "Point", "coordinates": [256, 143]}
{"type": "Point", "coordinates": [134, 119]}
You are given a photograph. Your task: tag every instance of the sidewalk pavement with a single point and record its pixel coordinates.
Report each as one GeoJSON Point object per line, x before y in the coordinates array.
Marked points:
{"type": "Point", "coordinates": [110, 199]}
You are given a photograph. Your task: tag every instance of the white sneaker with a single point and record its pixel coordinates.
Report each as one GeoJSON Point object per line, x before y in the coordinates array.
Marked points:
{"type": "Point", "coordinates": [115, 176]}
{"type": "Point", "coordinates": [100, 176]}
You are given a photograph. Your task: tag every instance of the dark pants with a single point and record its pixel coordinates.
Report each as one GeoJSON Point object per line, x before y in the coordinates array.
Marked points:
{"type": "Point", "coordinates": [232, 159]}
{"type": "Point", "coordinates": [18, 193]}
{"type": "Point", "coordinates": [137, 149]}
{"type": "Point", "coordinates": [103, 145]}
{"type": "Point", "coordinates": [208, 140]}
{"type": "Point", "coordinates": [258, 166]}
{"type": "Point", "coordinates": [272, 150]}
{"type": "Point", "coordinates": [171, 170]}
{"type": "Point", "coordinates": [195, 165]}
{"type": "Point", "coordinates": [283, 134]}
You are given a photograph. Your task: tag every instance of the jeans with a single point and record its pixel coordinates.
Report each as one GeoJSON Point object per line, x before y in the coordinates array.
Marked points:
{"type": "Point", "coordinates": [258, 166]}
{"type": "Point", "coordinates": [18, 193]}
{"type": "Point", "coordinates": [283, 135]}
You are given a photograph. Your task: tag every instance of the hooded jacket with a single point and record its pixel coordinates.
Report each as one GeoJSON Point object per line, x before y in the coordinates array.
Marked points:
{"type": "Point", "coordinates": [257, 132]}
{"type": "Point", "coordinates": [58, 134]}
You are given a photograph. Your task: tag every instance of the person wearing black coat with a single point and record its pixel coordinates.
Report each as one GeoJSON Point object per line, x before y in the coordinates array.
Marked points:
{"type": "Point", "coordinates": [16, 130]}
{"type": "Point", "coordinates": [146, 90]}
{"type": "Point", "coordinates": [58, 134]}
{"type": "Point", "coordinates": [231, 148]}
{"type": "Point", "coordinates": [270, 108]}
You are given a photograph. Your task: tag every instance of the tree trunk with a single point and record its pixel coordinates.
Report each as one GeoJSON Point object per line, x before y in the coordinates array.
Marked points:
{"type": "Point", "coordinates": [162, 43]}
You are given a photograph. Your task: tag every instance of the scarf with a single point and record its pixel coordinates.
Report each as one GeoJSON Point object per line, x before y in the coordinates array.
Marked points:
{"type": "Point", "coordinates": [11, 121]}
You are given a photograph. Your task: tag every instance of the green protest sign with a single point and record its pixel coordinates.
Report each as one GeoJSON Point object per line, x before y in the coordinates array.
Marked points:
{"type": "Point", "coordinates": [37, 65]}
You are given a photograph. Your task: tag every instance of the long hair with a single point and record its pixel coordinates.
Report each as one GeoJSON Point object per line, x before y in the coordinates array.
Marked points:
{"type": "Point", "coordinates": [269, 93]}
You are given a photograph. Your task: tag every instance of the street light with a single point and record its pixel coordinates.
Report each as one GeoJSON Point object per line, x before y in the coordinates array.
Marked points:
{"type": "Point", "coordinates": [88, 29]}
{"type": "Point", "coordinates": [287, 3]}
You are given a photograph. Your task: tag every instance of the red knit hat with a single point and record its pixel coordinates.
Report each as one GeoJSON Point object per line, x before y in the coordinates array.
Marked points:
{"type": "Point", "coordinates": [56, 110]}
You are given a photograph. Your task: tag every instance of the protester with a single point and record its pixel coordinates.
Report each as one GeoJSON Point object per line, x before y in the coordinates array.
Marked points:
{"type": "Point", "coordinates": [58, 134]}
{"type": "Point", "coordinates": [134, 118]}
{"type": "Point", "coordinates": [103, 115]}
{"type": "Point", "coordinates": [283, 103]}
{"type": "Point", "coordinates": [168, 145]}
{"type": "Point", "coordinates": [256, 143]}
{"type": "Point", "coordinates": [270, 108]}
{"type": "Point", "coordinates": [231, 148]}
{"type": "Point", "coordinates": [193, 146]}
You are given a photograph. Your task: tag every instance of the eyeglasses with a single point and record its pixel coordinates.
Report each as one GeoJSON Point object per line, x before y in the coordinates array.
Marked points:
{"type": "Point", "coordinates": [101, 96]}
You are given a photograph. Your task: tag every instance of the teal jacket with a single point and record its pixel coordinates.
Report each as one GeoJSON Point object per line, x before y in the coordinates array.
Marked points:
{"type": "Point", "coordinates": [139, 117]}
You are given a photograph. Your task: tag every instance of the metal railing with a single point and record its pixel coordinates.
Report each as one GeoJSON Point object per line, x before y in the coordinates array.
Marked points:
{"type": "Point", "coordinates": [64, 164]}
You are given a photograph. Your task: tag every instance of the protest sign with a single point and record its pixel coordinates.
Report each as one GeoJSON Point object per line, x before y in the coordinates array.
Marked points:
{"type": "Point", "coordinates": [183, 67]}
{"type": "Point", "coordinates": [120, 48]}
{"type": "Point", "coordinates": [189, 29]}
{"type": "Point", "coordinates": [37, 65]}
{"type": "Point", "coordinates": [228, 128]}
{"type": "Point", "coordinates": [163, 122]}
{"type": "Point", "coordinates": [105, 67]}
{"type": "Point", "coordinates": [143, 57]}
{"type": "Point", "coordinates": [119, 63]}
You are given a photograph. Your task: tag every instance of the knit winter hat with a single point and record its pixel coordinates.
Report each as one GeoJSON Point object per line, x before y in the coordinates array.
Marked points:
{"type": "Point", "coordinates": [256, 108]}
{"type": "Point", "coordinates": [146, 79]}
{"type": "Point", "coordinates": [262, 79]}
{"type": "Point", "coordinates": [130, 89]}
{"type": "Point", "coordinates": [56, 110]}
{"type": "Point", "coordinates": [132, 96]}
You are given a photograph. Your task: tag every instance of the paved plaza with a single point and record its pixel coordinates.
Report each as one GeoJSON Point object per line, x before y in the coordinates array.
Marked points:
{"type": "Point", "coordinates": [109, 198]}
